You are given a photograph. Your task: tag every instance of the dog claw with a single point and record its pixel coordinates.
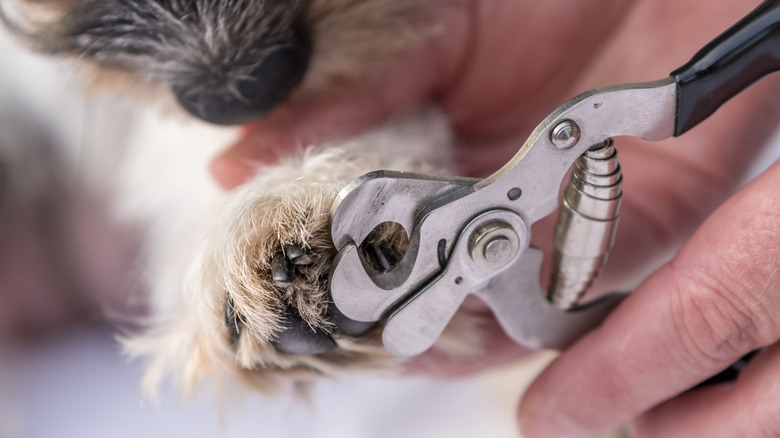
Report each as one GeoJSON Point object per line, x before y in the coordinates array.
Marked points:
{"type": "Point", "coordinates": [346, 325]}
{"type": "Point", "coordinates": [232, 321]}
{"type": "Point", "coordinates": [297, 255]}
{"type": "Point", "coordinates": [297, 338]}
{"type": "Point", "coordinates": [281, 270]}
{"type": "Point", "coordinates": [382, 255]}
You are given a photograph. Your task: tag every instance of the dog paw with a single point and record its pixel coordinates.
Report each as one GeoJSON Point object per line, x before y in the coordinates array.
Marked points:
{"type": "Point", "coordinates": [257, 305]}
{"type": "Point", "coordinates": [270, 259]}
{"type": "Point", "coordinates": [289, 270]}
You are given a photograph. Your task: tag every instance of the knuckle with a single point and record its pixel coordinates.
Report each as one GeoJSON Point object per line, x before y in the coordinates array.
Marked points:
{"type": "Point", "coordinates": [719, 320]}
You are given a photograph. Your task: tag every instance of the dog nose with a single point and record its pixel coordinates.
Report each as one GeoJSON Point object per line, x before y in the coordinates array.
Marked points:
{"type": "Point", "coordinates": [243, 96]}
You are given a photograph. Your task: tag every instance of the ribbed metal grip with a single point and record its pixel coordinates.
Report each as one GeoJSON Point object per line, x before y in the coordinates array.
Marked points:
{"type": "Point", "coordinates": [587, 221]}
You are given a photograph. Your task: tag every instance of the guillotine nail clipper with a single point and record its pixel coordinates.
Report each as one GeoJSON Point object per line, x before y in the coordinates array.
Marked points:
{"type": "Point", "coordinates": [471, 236]}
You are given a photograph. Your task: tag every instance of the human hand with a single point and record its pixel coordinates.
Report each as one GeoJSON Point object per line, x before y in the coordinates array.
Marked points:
{"type": "Point", "coordinates": [497, 70]}
{"type": "Point", "coordinates": [713, 303]}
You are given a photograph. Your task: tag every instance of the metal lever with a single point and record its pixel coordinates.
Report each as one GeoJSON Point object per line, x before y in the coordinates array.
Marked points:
{"type": "Point", "coordinates": [490, 244]}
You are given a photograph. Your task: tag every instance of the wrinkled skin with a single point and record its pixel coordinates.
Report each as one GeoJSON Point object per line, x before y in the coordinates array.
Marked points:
{"type": "Point", "coordinates": [498, 69]}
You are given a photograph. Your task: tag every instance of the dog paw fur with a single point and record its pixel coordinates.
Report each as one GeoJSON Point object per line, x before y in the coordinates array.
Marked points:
{"type": "Point", "coordinates": [256, 305]}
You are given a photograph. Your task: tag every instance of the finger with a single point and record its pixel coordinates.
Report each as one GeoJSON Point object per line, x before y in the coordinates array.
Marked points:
{"type": "Point", "coordinates": [703, 412]}
{"type": "Point", "coordinates": [671, 186]}
{"type": "Point", "coordinates": [343, 110]}
{"type": "Point", "coordinates": [466, 67]}
{"type": "Point", "coordinates": [239, 162]}
{"type": "Point", "coordinates": [300, 124]}
{"type": "Point", "coordinates": [715, 301]}
{"type": "Point", "coordinates": [749, 407]}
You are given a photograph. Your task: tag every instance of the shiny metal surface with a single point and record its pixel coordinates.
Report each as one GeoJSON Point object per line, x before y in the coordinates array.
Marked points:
{"type": "Point", "coordinates": [565, 134]}
{"type": "Point", "coordinates": [516, 298]}
{"type": "Point", "coordinates": [493, 244]}
{"type": "Point", "coordinates": [587, 221]}
{"type": "Point", "coordinates": [435, 211]}
{"type": "Point", "coordinates": [419, 321]}
{"type": "Point", "coordinates": [384, 196]}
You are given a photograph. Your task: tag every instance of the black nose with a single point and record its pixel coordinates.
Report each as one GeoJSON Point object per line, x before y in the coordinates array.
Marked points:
{"type": "Point", "coordinates": [243, 95]}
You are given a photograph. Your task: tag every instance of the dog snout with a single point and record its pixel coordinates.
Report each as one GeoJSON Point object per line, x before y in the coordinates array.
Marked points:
{"type": "Point", "coordinates": [241, 95]}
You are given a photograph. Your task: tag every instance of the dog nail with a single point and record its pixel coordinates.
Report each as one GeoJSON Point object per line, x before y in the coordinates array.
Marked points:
{"type": "Point", "coordinates": [297, 256]}
{"type": "Point", "coordinates": [382, 255]}
{"type": "Point", "coordinates": [281, 271]}
{"type": "Point", "coordinates": [232, 321]}
{"type": "Point", "coordinates": [297, 338]}
{"type": "Point", "coordinates": [231, 318]}
{"type": "Point", "coordinates": [346, 325]}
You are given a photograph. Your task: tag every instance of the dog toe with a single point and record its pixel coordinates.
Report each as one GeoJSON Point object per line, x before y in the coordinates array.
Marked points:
{"type": "Point", "coordinates": [298, 338]}
{"type": "Point", "coordinates": [297, 255]}
{"type": "Point", "coordinates": [281, 271]}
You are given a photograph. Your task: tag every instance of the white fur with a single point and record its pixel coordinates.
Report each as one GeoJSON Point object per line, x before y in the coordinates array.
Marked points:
{"type": "Point", "coordinates": [202, 243]}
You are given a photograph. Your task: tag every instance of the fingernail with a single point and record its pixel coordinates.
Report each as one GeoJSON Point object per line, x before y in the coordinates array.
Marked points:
{"type": "Point", "coordinates": [534, 425]}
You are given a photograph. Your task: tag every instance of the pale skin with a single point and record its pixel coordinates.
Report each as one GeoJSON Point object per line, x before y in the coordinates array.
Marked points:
{"type": "Point", "coordinates": [498, 68]}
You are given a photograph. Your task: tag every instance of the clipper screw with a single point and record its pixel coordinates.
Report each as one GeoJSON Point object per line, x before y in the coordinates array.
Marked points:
{"type": "Point", "coordinates": [494, 244]}
{"type": "Point", "coordinates": [565, 134]}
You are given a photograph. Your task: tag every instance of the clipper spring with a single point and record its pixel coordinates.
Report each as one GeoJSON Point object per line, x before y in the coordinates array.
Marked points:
{"type": "Point", "coordinates": [586, 226]}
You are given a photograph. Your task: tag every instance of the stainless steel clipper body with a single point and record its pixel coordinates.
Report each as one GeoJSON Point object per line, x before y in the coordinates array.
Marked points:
{"type": "Point", "coordinates": [473, 236]}
{"type": "Point", "coordinates": [446, 218]}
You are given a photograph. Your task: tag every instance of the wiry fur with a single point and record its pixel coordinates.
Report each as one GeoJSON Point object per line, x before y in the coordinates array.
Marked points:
{"type": "Point", "coordinates": [191, 44]}
{"type": "Point", "coordinates": [285, 203]}
{"type": "Point", "coordinates": [167, 44]}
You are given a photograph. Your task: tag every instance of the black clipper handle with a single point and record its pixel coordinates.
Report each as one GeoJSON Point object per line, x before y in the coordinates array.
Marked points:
{"type": "Point", "coordinates": [743, 54]}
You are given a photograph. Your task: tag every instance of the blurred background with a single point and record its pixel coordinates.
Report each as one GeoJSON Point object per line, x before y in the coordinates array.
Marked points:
{"type": "Point", "coordinates": [67, 276]}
